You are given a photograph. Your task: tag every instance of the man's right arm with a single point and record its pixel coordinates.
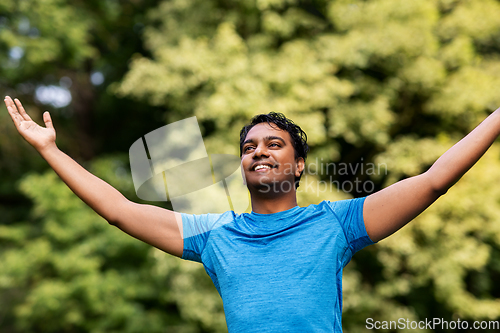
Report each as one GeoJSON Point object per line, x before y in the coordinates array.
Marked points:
{"type": "Point", "coordinates": [154, 225]}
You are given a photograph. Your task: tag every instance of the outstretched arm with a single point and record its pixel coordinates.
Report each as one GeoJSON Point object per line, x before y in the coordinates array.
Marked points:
{"type": "Point", "coordinates": [156, 226]}
{"type": "Point", "coordinates": [390, 209]}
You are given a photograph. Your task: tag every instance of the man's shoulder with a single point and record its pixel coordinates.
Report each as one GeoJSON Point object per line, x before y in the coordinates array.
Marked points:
{"type": "Point", "coordinates": [328, 204]}
{"type": "Point", "coordinates": [195, 224]}
{"type": "Point", "coordinates": [343, 203]}
{"type": "Point", "coordinates": [337, 207]}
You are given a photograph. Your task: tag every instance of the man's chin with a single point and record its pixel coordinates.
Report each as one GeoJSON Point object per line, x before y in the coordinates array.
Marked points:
{"type": "Point", "coordinates": [270, 186]}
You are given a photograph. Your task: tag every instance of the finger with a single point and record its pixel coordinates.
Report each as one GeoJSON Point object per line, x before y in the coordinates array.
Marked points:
{"type": "Point", "coordinates": [16, 117]}
{"type": "Point", "coordinates": [9, 102]}
{"type": "Point", "coordinates": [47, 120]}
{"type": "Point", "coordinates": [21, 110]}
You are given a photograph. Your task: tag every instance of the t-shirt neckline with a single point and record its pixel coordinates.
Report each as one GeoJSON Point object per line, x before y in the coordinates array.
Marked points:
{"type": "Point", "coordinates": [273, 216]}
{"type": "Point", "coordinates": [272, 221]}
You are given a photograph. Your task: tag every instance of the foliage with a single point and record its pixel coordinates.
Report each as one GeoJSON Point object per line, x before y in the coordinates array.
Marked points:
{"type": "Point", "coordinates": [56, 46]}
{"type": "Point", "coordinates": [69, 271]}
{"type": "Point", "coordinates": [389, 83]}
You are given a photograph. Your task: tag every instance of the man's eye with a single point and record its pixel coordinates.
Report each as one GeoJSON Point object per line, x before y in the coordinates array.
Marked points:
{"type": "Point", "coordinates": [274, 144]}
{"type": "Point", "coordinates": [247, 148]}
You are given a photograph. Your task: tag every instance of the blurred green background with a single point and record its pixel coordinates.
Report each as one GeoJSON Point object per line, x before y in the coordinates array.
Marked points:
{"type": "Point", "coordinates": [388, 82]}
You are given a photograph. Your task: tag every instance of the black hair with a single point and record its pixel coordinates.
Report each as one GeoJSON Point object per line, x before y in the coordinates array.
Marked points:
{"type": "Point", "coordinates": [276, 119]}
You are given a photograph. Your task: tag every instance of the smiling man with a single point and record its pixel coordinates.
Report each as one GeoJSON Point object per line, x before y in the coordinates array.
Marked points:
{"type": "Point", "coordinates": [278, 268]}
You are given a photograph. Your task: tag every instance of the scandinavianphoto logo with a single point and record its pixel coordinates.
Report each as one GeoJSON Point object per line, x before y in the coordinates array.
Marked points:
{"type": "Point", "coordinates": [171, 164]}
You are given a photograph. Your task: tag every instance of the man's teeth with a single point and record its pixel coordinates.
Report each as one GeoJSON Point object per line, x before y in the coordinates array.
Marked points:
{"type": "Point", "coordinates": [258, 167]}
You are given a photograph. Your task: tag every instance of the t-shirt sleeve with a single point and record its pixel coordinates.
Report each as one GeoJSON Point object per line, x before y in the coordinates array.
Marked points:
{"type": "Point", "coordinates": [350, 214]}
{"type": "Point", "coordinates": [196, 230]}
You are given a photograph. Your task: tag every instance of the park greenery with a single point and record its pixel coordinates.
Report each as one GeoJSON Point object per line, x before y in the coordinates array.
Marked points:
{"type": "Point", "coordinates": [392, 83]}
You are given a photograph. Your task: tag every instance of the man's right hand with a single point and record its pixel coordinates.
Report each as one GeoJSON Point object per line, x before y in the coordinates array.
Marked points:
{"type": "Point", "coordinates": [36, 135]}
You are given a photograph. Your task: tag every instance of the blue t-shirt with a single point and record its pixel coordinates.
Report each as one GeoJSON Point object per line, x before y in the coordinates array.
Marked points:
{"type": "Point", "coordinates": [279, 272]}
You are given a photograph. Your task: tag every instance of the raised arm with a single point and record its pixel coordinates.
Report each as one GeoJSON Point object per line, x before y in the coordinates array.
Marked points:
{"type": "Point", "coordinates": [156, 226]}
{"type": "Point", "coordinates": [390, 209]}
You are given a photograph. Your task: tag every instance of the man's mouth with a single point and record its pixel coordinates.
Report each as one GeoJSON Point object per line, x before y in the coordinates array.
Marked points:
{"type": "Point", "coordinates": [262, 167]}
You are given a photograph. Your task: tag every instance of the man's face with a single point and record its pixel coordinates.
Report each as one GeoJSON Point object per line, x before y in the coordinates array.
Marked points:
{"type": "Point", "coordinates": [268, 160]}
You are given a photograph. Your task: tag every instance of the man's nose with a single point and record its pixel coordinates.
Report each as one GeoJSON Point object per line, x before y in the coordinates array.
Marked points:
{"type": "Point", "coordinates": [260, 151]}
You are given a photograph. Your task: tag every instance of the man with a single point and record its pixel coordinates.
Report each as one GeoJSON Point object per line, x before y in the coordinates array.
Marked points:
{"type": "Point", "coordinates": [279, 268]}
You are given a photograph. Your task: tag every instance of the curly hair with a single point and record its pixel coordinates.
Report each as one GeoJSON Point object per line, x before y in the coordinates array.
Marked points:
{"type": "Point", "coordinates": [276, 119]}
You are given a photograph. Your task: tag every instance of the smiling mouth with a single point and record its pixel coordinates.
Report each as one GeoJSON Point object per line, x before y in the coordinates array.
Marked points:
{"type": "Point", "coordinates": [262, 167]}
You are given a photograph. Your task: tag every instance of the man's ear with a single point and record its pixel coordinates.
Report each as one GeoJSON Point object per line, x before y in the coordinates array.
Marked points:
{"type": "Point", "coordinates": [300, 166]}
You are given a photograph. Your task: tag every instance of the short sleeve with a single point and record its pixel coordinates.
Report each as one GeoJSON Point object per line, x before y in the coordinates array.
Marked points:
{"type": "Point", "coordinates": [350, 215]}
{"type": "Point", "coordinates": [196, 230]}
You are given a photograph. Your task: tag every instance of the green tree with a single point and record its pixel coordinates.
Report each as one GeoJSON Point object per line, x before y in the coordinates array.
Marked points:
{"type": "Point", "coordinates": [60, 44]}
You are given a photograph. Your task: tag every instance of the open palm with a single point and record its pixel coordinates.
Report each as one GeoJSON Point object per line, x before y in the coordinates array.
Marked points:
{"type": "Point", "coordinates": [38, 136]}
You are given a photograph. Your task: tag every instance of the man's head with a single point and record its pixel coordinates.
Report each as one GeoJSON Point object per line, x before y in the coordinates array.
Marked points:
{"type": "Point", "coordinates": [295, 136]}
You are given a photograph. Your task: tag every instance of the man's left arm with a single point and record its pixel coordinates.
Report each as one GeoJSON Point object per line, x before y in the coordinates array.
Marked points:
{"type": "Point", "coordinates": [388, 210]}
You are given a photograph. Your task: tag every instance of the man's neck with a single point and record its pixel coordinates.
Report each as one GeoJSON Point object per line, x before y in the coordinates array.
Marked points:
{"type": "Point", "coordinates": [273, 204]}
